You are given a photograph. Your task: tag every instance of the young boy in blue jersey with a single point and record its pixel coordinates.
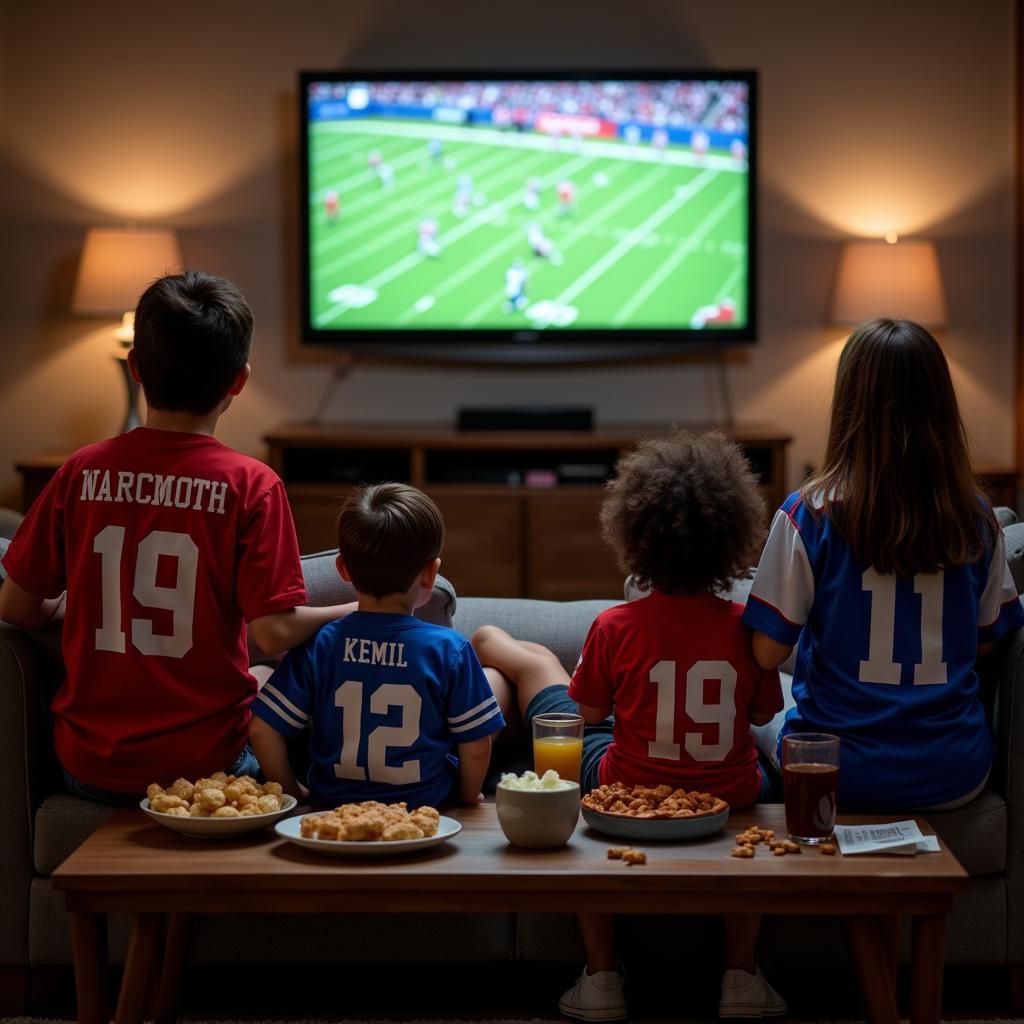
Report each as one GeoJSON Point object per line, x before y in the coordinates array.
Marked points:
{"type": "Point", "coordinates": [388, 698]}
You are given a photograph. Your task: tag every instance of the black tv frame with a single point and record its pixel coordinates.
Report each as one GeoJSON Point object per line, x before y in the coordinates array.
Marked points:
{"type": "Point", "coordinates": [510, 345]}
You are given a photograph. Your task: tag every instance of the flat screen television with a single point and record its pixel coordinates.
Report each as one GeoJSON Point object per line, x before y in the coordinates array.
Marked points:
{"type": "Point", "coordinates": [531, 217]}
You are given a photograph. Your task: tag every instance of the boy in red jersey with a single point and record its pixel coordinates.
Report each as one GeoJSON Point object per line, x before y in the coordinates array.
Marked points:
{"type": "Point", "coordinates": [164, 543]}
{"type": "Point", "coordinates": [684, 516]}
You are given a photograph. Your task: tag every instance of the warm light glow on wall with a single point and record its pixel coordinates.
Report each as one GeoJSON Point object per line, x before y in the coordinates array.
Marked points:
{"type": "Point", "coordinates": [870, 190]}
{"type": "Point", "coordinates": [151, 175]}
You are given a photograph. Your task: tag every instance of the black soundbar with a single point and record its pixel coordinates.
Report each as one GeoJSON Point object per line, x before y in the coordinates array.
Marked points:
{"type": "Point", "coordinates": [526, 418]}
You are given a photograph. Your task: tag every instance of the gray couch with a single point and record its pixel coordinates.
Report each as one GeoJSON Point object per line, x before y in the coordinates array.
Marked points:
{"type": "Point", "coordinates": [42, 825]}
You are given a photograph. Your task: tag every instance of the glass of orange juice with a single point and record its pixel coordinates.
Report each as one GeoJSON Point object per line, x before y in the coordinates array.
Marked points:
{"type": "Point", "coordinates": [558, 745]}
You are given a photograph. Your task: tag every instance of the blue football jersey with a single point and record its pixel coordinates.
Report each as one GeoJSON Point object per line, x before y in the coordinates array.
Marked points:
{"type": "Point", "coordinates": [884, 662]}
{"type": "Point", "coordinates": [387, 698]}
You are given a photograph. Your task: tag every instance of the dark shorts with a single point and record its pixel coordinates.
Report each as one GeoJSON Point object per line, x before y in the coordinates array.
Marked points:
{"type": "Point", "coordinates": [597, 739]}
{"type": "Point", "coordinates": [244, 764]}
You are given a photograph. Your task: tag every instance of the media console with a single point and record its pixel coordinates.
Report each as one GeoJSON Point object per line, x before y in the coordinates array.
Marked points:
{"type": "Point", "coordinates": [520, 506]}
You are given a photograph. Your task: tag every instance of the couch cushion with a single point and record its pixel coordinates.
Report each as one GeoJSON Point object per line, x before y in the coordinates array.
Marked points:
{"type": "Point", "coordinates": [976, 833]}
{"type": "Point", "coordinates": [63, 823]}
{"type": "Point", "coordinates": [561, 626]}
{"type": "Point", "coordinates": [324, 586]}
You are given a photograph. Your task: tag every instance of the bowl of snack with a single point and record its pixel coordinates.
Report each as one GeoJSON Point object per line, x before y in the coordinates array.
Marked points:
{"type": "Point", "coordinates": [653, 812]}
{"type": "Point", "coordinates": [217, 807]}
{"type": "Point", "coordinates": [369, 829]}
{"type": "Point", "coordinates": [538, 813]}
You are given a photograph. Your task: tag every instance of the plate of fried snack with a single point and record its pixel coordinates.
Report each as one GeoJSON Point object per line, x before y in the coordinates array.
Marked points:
{"type": "Point", "coordinates": [653, 812]}
{"type": "Point", "coordinates": [217, 807]}
{"type": "Point", "coordinates": [369, 829]}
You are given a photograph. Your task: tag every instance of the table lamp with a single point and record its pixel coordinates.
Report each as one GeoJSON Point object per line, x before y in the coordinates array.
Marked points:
{"type": "Point", "coordinates": [117, 265]}
{"type": "Point", "coordinates": [888, 278]}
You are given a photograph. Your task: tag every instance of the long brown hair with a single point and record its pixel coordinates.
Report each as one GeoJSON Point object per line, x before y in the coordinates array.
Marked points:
{"type": "Point", "coordinates": [897, 478]}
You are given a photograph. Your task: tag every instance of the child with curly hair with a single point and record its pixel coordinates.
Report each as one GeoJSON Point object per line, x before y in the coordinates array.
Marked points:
{"type": "Point", "coordinates": [683, 514]}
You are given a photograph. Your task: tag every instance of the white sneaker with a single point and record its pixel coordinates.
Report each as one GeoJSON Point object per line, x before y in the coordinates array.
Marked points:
{"type": "Point", "coordinates": [749, 995]}
{"type": "Point", "coordinates": [596, 996]}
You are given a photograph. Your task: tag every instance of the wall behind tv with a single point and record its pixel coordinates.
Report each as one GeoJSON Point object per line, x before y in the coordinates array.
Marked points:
{"type": "Point", "coordinates": [874, 116]}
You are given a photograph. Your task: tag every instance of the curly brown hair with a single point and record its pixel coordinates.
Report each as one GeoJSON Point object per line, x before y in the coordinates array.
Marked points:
{"type": "Point", "coordinates": [683, 513]}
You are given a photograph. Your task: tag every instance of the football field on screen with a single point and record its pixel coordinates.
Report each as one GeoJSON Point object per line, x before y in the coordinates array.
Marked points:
{"type": "Point", "coordinates": [646, 243]}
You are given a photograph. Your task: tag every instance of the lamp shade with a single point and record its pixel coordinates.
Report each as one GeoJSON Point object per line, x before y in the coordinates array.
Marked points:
{"type": "Point", "coordinates": [900, 279]}
{"type": "Point", "coordinates": [118, 264]}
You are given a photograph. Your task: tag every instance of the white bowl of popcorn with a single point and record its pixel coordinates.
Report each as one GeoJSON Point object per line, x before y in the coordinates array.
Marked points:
{"type": "Point", "coordinates": [537, 812]}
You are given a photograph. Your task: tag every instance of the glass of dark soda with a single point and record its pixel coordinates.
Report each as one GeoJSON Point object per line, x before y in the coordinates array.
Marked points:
{"type": "Point", "coordinates": [810, 777]}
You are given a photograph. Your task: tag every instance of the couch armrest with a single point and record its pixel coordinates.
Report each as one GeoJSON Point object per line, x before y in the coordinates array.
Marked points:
{"type": "Point", "coordinates": [26, 764]}
{"type": "Point", "coordinates": [1008, 775]}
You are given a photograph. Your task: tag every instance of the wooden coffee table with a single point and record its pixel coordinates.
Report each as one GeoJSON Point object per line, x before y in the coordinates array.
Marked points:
{"type": "Point", "coordinates": [130, 864]}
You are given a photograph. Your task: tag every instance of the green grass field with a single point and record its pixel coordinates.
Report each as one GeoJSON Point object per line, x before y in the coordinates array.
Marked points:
{"type": "Point", "coordinates": [647, 243]}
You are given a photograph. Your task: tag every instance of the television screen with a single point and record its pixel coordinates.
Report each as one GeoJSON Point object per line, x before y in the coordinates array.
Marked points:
{"type": "Point", "coordinates": [511, 209]}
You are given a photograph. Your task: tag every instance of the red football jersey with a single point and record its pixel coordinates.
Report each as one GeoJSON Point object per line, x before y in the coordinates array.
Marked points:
{"type": "Point", "coordinates": [167, 543]}
{"type": "Point", "coordinates": [680, 676]}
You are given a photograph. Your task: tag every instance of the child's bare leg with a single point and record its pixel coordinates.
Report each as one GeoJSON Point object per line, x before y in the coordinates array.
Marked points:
{"type": "Point", "coordinates": [529, 667]}
{"type": "Point", "coordinates": [741, 931]}
{"type": "Point", "coordinates": [505, 694]}
{"type": "Point", "coordinates": [598, 931]}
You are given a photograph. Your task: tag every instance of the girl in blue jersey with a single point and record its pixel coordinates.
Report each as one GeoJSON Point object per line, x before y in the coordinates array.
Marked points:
{"type": "Point", "coordinates": [890, 571]}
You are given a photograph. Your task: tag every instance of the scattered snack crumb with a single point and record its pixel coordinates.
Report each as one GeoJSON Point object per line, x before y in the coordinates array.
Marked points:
{"type": "Point", "coordinates": [743, 851]}
{"type": "Point", "coordinates": [828, 849]}
{"type": "Point", "coordinates": [616, 852]}
{"type": "Point", "coordinates": [778, 851]}
{"type": "Point", "coordinates": [634, 857]}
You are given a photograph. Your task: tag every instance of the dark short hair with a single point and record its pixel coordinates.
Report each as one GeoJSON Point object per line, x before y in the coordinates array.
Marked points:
{"type": "Point", "coordinates": [192, 337]}
{"type": "Point", "coordinates": [683, 513]}
{"type": "Point", "coordinates": [387, 534]}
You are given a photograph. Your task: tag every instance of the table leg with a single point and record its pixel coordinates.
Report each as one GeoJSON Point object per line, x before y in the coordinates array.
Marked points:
{"type": "Point", "coordinates": [89, 941]}
{"type": "Point", "coordinates": [927, 957]}
{"type": "Point", "coordinates": [174, 960]}
{"type": "Point", "coordinates": [138, 967]}
{"type": "Point", "coordinates": [890, 926]}
{"type": "Point", "coordinates": [865, 938]}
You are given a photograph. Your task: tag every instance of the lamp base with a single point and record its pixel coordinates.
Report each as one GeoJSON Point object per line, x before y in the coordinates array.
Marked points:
{"type": "Point", "coordinates": [132, 419]}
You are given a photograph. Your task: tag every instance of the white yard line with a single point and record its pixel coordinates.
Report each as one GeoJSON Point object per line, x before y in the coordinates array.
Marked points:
{"type": "Point", "coordinates": [343, 185]}
{"type": "Point", "coordinates": [420, 201]}
{"type": "Point", "coordinates": [669, 266]}
{"type": "Point", "coordinates": [635, 236]}
{"type": "Point", "coordinates": [582, 230]}
{"type": "Point", "coordinates": [673, 156]}
{"type": "Point", "coordinates": [326, 151]}
{"type": "Point", "coordinates": [510, 241]}
{"type": "Point", "coordinates": [730, 282]}
{"type": "Point", "coordinates": [471, 222]}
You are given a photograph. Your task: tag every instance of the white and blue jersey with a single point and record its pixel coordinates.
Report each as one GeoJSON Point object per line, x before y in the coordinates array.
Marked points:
{"type": "Point", "coordinates": [884, 662]}
{"type": "Point", "coordinates": [387, 697]}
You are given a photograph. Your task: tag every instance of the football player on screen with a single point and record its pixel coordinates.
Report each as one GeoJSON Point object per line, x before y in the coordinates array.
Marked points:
{"type": "Point", "coordinates": [428, 244]}
{"type": "Point", "coordinates": [516, 278]}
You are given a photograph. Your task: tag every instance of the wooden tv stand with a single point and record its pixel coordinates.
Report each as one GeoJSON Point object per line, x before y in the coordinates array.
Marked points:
{"type": "Point", "coordinates": [508, 534]}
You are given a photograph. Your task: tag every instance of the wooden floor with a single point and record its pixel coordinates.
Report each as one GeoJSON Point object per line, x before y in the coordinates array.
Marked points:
{"type": "Point", "coordinates": [502, 991]}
